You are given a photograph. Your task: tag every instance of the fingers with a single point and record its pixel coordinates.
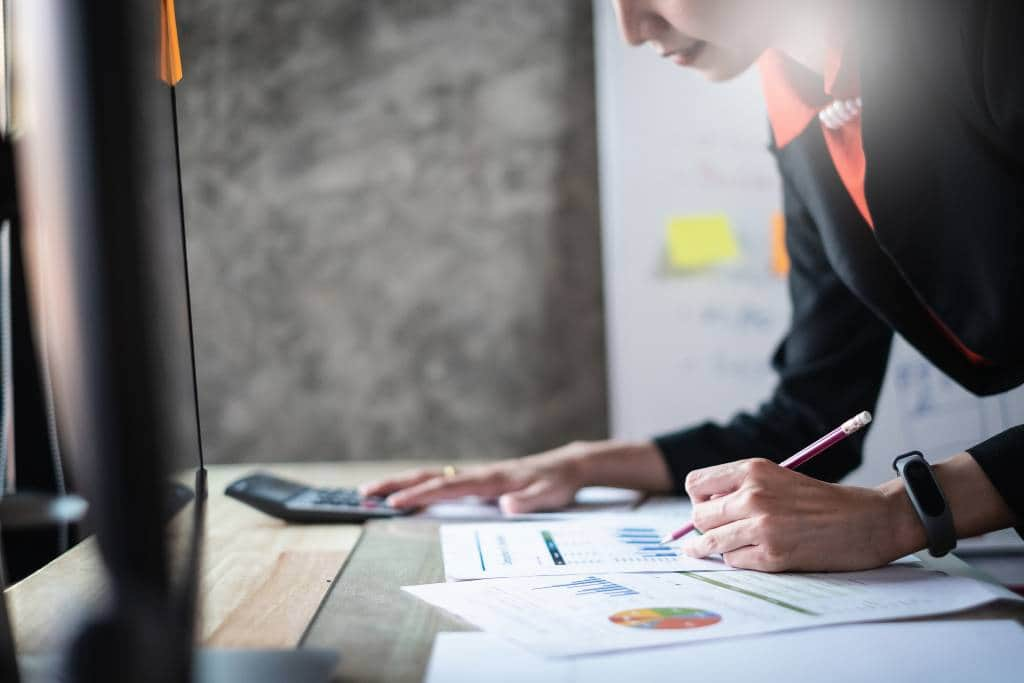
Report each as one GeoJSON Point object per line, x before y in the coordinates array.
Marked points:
{"type": "Point", "coordinates": [384, 487]}
{"type": "Point", "coordinates": [707, 482]}
{"type": "Point", "coordinates": [755, 557]}
{"type": "Point", "coordinates": [723, 539]}
{"type": "Point", "coordinates": [540, 495]}
{"type": "Point", "coordinates": [719, 510]}
{"type": "Point", "coordinates": [486, 483]}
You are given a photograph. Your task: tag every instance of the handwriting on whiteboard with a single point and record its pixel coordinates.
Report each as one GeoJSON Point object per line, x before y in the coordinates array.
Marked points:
{"type": "Point", "coordinates": [936, 412]}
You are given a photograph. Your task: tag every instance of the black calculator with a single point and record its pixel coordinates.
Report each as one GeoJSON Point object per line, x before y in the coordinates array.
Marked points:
{"type": "Point", "coordinates": [294, 502]}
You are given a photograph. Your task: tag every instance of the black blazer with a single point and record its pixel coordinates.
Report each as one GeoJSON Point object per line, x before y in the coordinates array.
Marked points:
{"type": "Point", "coordinates": [943, 129]}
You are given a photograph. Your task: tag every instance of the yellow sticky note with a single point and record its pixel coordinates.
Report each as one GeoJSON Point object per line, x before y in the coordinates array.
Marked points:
{"type": "Point", "coordinates": [699, 241]}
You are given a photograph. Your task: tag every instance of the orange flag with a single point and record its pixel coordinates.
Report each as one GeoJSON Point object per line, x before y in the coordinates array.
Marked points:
{"type": "Point", "coordinates": [170, 54]}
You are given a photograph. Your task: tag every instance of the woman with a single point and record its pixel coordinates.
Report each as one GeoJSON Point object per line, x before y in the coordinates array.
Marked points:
{"type": "Point", "coordinates": [898, 129]}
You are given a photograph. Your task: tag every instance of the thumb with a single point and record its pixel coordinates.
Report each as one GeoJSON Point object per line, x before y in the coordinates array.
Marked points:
{"type": "Point", "coordinates": [542, 494]}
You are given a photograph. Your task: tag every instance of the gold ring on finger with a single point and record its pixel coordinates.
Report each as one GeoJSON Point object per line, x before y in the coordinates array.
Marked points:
{"type": "Point", "coordinates": [449, 471]}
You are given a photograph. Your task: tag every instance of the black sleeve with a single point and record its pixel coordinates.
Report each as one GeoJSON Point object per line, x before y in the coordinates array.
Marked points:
{"type": "Point", "coordinates": [992, 48]}
{"type": "Point", "coordinates": [970, 51]}
{"type": "Point", "coordinates": [996, 44]}
{"type": "Point", "coordinates": [830, 366]}
{"type": "Point", "coordinates": [1002, 459]}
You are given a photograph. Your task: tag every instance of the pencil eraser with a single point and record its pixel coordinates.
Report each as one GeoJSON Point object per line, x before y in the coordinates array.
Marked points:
{"type": "Point", "coordinates": [856, 422]}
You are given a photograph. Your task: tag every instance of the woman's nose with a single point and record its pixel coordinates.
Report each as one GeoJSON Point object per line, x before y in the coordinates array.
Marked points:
{"type": "Point", "coordinates": [637, 22]}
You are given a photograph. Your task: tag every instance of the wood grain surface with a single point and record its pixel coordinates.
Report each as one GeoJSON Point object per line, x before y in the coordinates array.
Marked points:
{"type": "Point", "coordinates": [381, 632]}
{"type": "Point", "coordinates": [262, 579]}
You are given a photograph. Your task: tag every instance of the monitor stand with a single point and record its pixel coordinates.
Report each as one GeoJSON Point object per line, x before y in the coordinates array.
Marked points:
{"type": "Point", "coordinates": [304, 665]}
{"type": "Point", "coordinates": [265, 666]}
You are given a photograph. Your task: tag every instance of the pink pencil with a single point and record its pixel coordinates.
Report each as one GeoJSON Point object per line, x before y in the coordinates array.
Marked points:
{"type": "Point", "coordinates": [799, 458]}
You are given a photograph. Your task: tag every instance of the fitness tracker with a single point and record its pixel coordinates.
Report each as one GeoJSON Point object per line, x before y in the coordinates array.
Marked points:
{"type": "Point", "coordinates": [928, 500]}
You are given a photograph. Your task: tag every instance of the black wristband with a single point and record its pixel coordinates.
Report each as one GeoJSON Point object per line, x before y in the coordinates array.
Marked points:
{"type": "Point", "coordinates": [928, 500]}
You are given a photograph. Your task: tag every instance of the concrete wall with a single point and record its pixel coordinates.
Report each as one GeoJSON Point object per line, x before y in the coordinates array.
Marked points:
{"type": "Point", "coordinates": [393, 224]}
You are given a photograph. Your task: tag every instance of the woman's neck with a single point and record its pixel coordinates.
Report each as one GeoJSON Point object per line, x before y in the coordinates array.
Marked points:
{"type": "Point", "coordinates": [809, 29]}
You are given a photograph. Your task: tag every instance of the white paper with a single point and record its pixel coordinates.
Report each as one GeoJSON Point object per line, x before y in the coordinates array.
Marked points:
{"type": "Point", "coordinates": [936, 652]}
{"type": "Point", "coordinates": [600, 544]}
{"type": "Point", "coordinates": [1002, 542]}
{"type": "Point", "coordinates": [476, 657]}
{"type": "Point", "coordinates": [589, 500]}
{"type": "Point", "coordinates": [578, 615]}
{"type": "Point", "coordinates": [466, 508]}
{"type": "Point", "coordinates": [1006, 569]}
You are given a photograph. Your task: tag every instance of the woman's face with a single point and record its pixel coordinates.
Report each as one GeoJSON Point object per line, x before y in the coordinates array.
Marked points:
{"type": "Point", "coordinates": [719, 38]}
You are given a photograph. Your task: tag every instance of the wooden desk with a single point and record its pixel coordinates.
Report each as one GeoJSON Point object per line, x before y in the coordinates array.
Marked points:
{"type": "Point", "coordinates": [262, 580]}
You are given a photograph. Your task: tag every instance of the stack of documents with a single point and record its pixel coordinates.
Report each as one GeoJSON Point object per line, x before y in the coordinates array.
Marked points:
{"type": "Point", "coordinates": [936, 652]}
{"type": "Point", "coordinates": [1000, 554]}
{"type": "Point", "coordinates": [568, 588]}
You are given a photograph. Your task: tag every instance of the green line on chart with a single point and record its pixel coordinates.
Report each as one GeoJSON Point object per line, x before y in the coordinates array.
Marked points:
{"type": "Point", "coordinates": [737, 589]}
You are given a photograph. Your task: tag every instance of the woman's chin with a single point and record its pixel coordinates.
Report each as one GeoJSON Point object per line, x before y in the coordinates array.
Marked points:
{"type": "Point", "coordinates": [719, 74]}
{"type": "Point", "coordinates": [719, 65]}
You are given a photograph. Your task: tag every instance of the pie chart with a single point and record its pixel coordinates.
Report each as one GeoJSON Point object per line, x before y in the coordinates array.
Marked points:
{"type": "Point", "coordinates": [665, 618]}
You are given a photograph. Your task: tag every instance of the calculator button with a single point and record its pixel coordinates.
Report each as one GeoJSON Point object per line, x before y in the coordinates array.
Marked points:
{"type": "Point", "coordinates": [338, 497]}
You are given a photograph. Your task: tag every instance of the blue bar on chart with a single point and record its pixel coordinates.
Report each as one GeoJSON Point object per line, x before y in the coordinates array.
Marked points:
{"type": "Point", "coordinates": [593, 585]}
{"type": "Point", "coordinates": [648, 539]}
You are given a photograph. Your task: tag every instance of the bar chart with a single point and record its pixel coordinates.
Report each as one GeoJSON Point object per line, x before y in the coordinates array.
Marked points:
{"type": "Point", "coordinates": [606, 545]}
{"type": "Point", "coordinates": [592, 585]}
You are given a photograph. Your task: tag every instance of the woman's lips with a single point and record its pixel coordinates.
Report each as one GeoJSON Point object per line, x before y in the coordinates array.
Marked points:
{"type": "Point", "coordinates": [689, 55]}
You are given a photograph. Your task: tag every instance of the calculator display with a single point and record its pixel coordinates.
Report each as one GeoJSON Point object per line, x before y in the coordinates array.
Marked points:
{"type": "Point", "coordinates": [275, 489]}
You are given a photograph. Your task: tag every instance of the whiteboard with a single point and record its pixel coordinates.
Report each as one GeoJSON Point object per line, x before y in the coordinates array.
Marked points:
{"type": "Point", "coordinates": [683, 348]}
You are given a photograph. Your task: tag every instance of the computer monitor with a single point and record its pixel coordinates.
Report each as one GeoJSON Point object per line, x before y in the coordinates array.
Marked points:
{"type": "Point", "coordinates": [108, 288]}
{"type": "Point", "coordinates": [103, 260]}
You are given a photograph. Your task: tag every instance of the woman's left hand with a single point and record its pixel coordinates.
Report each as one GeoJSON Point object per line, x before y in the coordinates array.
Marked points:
{"type": "Point", "coordinates": [761, 516]}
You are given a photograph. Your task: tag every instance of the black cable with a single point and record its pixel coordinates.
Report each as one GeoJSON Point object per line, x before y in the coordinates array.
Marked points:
{"type": "Point", "coordinates": [188, 598]}
{"type": "Point", "coordinates": [188, 287]}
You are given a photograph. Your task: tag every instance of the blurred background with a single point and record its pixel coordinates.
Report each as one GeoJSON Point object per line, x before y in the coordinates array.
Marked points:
{"type": "Point", "coordinates": [399, 248]}
{"type": "Point", "coordinates": [393, 227]}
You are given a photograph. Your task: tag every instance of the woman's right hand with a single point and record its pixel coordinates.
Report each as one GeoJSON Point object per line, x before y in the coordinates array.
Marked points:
{"type": "Point", "coordinates": [546, 481]}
